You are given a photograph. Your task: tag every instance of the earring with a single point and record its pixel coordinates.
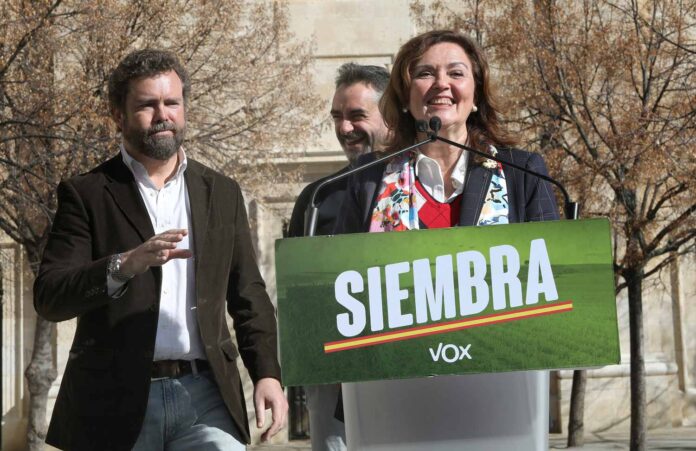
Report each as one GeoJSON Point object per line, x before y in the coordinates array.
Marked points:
{"type": "Point", "coordinates": [404, 110]}
{"type": "Point", "coordinates": [474, 109]}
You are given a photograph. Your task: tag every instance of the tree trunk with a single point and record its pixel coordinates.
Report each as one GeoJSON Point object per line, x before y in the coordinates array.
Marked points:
{"type": "Point", "coordinates": [576, 418]}
{"type": "Point", "coordinates": [40, 375]}
{"type": "Point", "coordinates": [41, 371]}
{"type": "Point", "coordinates": [634, 281]}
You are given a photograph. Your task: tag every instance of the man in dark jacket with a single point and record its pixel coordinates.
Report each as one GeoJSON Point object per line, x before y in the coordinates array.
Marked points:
{"type": "Point", "coordinates": [360, 130]}
{"type": "Point", "coordinates": [148, 251]}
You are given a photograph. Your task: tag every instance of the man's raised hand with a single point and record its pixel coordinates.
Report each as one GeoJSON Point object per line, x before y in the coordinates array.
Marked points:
{"type": "Point", "coordinates": [156, 251]}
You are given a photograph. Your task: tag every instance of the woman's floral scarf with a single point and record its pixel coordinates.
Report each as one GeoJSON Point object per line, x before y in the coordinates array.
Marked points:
{"type": "Point", "coordinates": [398, 200]}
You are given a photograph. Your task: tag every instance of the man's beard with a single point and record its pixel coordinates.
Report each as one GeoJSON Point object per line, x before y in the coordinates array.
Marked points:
{"type": "Point", "coordinates": [355, 151]}
{"type": "Point", "coordinates": [159, 148]}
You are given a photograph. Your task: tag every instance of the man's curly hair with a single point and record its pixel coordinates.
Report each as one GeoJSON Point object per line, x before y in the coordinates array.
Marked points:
{"type": "Point", "coordinates": [141, 64]}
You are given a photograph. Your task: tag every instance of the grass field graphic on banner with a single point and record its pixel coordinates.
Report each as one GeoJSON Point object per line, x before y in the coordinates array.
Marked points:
{"type": "Point", "coordinates": [446, 301]}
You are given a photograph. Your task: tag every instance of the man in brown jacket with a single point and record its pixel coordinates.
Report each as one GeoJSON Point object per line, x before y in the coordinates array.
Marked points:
{"type": "Point", "coordinates": [148, 251]}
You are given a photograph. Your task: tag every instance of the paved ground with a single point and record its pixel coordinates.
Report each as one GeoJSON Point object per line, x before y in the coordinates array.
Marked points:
{"type": "Point", "coordinates": [676, 439]}
{"type": "Point", "coordinates": [292, 446]}
{"type": "Point", "coordinates": [673, 439]}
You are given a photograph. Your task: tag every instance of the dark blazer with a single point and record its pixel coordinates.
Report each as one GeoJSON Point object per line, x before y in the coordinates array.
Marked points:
{"type": "Point", "coordinates": [103, 395]}
{"type": "Point", "coordinates": [529, 198]}
{"type": "Point", "coordinates": [329, 200]}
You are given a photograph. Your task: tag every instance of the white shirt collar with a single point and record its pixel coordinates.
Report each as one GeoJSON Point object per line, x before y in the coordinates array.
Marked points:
{"type": "Point", "coordinates": [429, 174]}
{"type": "Point", "coordinates": [139, 171]}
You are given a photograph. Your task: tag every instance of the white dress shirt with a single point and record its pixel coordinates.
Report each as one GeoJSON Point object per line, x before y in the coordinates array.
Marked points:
{"type": "Point", "coordinates": [178, 335]}
{"type": "Point", "coordinates": [430, 176]}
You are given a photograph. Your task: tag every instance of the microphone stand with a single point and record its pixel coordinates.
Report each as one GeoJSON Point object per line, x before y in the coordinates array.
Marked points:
{"type": "Point", "coordinates": [312, 213]}
{"type": "Point", "coordinates": [570, 208]}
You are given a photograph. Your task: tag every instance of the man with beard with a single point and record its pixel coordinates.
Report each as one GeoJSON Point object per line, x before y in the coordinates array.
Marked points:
{"type": "Point", "coordinates": [148, 250]}
{"type": "Point", "coordinates": [360, 129]}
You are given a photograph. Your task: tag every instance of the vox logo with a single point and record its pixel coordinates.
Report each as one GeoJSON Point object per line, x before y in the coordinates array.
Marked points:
{"type": "Point", "coordinates": [450, 353]}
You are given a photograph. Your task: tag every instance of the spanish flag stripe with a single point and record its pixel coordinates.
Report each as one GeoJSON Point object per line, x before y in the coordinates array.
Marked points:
{"type": "Point", "coordinates": [433, 329]}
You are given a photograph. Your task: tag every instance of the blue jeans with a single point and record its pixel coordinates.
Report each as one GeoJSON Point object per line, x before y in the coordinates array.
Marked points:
{"type": "Point", "coordinates": [187, 413]}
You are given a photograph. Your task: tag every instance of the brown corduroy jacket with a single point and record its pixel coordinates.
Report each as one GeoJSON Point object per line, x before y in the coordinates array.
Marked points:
{"type": "Point", "coordinates": [104, 391]}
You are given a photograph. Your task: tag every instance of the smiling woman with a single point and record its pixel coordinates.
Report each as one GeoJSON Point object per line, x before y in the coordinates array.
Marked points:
{"type": "Point", "coordinates": [443, 67]}
{"type": "Point", "coordinates": [443, 85]}
{"type": "Point", "coordinates": [444, 74]}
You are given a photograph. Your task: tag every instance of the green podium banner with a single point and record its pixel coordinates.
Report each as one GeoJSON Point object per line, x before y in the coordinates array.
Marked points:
{"type": "Point", "coordinates": [446, 301]}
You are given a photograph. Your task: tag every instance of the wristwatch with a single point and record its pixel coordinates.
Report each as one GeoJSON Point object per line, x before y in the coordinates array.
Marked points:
{"type": "Point", "coordinates": [113, 269]}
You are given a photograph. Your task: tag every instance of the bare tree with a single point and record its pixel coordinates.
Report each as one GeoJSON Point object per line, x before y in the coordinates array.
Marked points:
{"type": "Point", "coordinates": [606, 91]}
{"type": "Point", "coordinates": [252, 103]}
{"type": "Point", "coordinates": [617, 102]}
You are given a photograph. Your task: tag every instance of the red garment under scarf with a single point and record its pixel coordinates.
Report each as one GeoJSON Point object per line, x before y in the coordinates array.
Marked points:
{"type": "Point", "coordinates": [437, 215]}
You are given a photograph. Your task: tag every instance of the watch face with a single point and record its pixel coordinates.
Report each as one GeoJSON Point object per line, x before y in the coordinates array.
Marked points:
{"type": "Point", "coordinates": [114, 264]}
{"type": "Point", "coordinates": [114, 269]}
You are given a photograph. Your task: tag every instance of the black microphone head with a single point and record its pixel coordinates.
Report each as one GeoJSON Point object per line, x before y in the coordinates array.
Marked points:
{"type": "Point", "coordinates": [435, 124]}
{"type": "Point", "coordinates": [421, 126]}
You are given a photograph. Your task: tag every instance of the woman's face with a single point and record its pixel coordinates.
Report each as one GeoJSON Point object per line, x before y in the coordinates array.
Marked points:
{"type": "Point", "coordinates": [442, 84]}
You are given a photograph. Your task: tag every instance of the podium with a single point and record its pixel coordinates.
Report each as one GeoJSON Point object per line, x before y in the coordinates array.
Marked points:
{"type": "Point", "coordinates": [486, 310]}
{"type": "Point", "coordinates": [479, 412]}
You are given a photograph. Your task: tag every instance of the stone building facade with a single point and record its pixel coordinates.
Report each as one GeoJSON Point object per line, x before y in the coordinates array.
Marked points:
{"type": "Point", "coordinates": [370, 32]}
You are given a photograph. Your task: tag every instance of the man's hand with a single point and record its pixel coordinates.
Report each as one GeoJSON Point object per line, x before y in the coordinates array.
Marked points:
{"type": "Point", "coordinates": [269, 394]}
{"type": "Point", "coordinates": [156, 251]}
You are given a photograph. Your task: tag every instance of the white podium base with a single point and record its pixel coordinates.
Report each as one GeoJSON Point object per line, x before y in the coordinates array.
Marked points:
{"type": "Point", "coordinates": [482, 412]}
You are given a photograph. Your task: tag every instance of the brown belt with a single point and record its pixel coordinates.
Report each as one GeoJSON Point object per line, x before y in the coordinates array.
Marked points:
{"type": "Point", "coordinates": [176, 368]}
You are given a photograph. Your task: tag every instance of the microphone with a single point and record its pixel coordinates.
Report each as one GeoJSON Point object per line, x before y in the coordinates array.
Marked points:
{"type": "Point", "coordinates": [312, 213]}
{"type": "Point", "coordinates": [435, 124]}
{"type": "Point", "coordinates": [570, 208]}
